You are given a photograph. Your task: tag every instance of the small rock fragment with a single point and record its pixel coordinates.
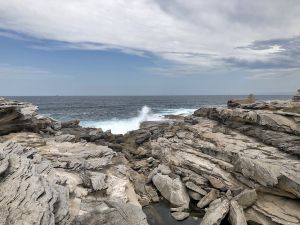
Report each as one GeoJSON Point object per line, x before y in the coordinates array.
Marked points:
{"type": "Point", "coordinates": [180, 215]}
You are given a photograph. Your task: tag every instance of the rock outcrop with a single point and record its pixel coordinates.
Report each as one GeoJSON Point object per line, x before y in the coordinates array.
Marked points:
{"type": "Point", "coordinates": [240, 164]}
{"type": "Point", "coordinates": [296, 98]}
{"type": "Point", "coordinates": [16, 116]}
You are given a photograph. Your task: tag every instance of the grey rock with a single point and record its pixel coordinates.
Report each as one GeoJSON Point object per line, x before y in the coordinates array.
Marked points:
{"type": "Point", "coordinates": [25, 188]}
{"type": "Point", "coordinates": [65, 138]}
{"type": "Point", "coordinates": [194, 195]}
{"type": "Point", "coordinates": [208, 198]}
{"type": "Point", "coordinates": [109, 213]}
{"type": "Point", "coordinates": [236, 214]}
{"type": "Point", "coordinates": [16, 116]}
{"type": "Point", "coordinates": [172, 189]}
{"type": "Point", "coordinates": [246, 198]}
{"type": "Point", "coordinates": [194, 187]}
{"type": "Point", "coordinates": [216, 212]}
{"type": "Point", "coordinates": [180, 215]}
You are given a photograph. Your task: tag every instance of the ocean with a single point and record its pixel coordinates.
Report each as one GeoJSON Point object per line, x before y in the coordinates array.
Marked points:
{"type": "Point", "coordinates": [121, 114]}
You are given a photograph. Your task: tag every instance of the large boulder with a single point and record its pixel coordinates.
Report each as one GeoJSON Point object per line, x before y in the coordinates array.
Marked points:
{"type": "Point", "coordinates": [172, 189]}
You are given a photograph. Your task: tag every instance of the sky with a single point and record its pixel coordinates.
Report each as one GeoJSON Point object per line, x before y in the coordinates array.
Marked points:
{"type": "Point", "coordinates": [149, 47]}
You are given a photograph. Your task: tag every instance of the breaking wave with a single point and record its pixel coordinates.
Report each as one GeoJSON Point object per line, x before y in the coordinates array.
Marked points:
{"type": "Point", "coordinates": [122, 126]}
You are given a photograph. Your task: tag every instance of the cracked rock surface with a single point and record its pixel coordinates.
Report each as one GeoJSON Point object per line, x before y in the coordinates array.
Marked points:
{"type": "Point", "coordinates": [240, 164]}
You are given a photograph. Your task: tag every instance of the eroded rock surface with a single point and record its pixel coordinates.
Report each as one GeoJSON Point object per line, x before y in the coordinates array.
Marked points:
{"type": "Point", "coordinates": [240, 162]}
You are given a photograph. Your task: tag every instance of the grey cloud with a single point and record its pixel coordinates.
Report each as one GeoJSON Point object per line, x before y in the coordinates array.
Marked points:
{"type": "Point", "coordinates": [288, 57]}
{"type": "Point", "coordinates": [197, 33]}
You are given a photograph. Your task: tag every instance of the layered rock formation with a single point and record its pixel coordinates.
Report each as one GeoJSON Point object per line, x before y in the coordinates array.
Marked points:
{"type": "Point", "coordinates": [296, 98]}
{"type": "Point", "coordinates": [239, 164]}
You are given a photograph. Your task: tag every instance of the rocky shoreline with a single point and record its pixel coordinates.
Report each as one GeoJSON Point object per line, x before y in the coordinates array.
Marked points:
{"type": "Point", "coordinates": [232, 164]}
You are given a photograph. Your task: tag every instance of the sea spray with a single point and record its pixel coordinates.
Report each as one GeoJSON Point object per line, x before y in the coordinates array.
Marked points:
{"type": "Point", "coordinates": [122, 126]}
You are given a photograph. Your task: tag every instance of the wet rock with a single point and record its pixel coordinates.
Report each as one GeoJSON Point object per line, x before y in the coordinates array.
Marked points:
{"type": "Point", "coordinates": [180, 215]}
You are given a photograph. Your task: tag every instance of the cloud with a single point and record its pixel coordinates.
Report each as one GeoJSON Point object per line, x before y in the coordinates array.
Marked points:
{"type": "Point", "coordinates": [196, 33]}
{"type": "Point", "coordinates": [271, 74]}
{"type": "Point", "coordinates": [8, 71]}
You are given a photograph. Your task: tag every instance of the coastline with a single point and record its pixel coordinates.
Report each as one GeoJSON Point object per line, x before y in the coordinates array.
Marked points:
{"type": "Point", "coordinates": [240, 164]}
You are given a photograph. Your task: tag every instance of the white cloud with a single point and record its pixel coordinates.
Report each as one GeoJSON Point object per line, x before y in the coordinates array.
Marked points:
{"type": "Point", "coordinates": [8, 71]}
{"type": "Point", "coordinates": [195, 32]}
{"type": "Point", "coordinates": [271, 74]}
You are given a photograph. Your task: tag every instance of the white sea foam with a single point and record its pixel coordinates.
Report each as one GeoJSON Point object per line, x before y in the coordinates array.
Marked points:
{"type": "Point", "coordinates": [121, 126]}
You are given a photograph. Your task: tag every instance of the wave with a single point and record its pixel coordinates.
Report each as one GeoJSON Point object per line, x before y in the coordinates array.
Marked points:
{"type": "Point", "coordinates": [122, 126]}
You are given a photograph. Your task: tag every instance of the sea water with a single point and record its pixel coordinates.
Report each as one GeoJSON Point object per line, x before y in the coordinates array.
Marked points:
{"type": "Point", "coordinates": [121, 114]}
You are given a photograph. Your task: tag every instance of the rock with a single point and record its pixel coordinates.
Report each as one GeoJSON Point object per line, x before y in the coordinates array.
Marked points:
{"type": "Point", "coordinates": [27, 186]}
{"type": "Point", "coordinates": [246, 198]}
{"type": "Point", "coordinates": [27, 139]}
{"type": "Point", "coordinates": [95, 212]}
{"type": "Point", "coordinates": [180, 215]}
{"type": "Point", "coordinates": [65, 138]}
{"type": "Point", "coordinates": [216, 212]}
{"type": "Point", "coordinates": [191, 120]}
{"type": "Point", "coordinates": [194, 195]}
{"type": "Point", "coordinates": [236, 214]}
{"type": "Point", "coordinates": [172, 189]}
{"type": "Point", "coordinates": [98, 182]}
{"type": "Point", "coordinates": [163, 169]}
{"type": "Point", "coordinates": [296, 98]}
{"type": "Point", "coordinates": [271, 209]}
{"type": "Point", "coordinates": [16, 116]}
{"type": "Point", "coordinates": [152, 194]}
{"type": "Point", "coordinates": [216, 183]}
{"type": "Point", "coordinates": [208, 198]}
{"type": "Point", "coordinates": [96, 134]}
{"type": "Point", "coordinates": [70, 124]}
{"type": "Point", "coordinates": [194, 187]}
{"type": "Point", "coordinates": [254, 147]}
{"type": "Point", "coordinates": [179, 209]}
{"type": "Point", "coordinates": [233, 103]}
{"type": "Point", "coordinates": [141, 138]}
